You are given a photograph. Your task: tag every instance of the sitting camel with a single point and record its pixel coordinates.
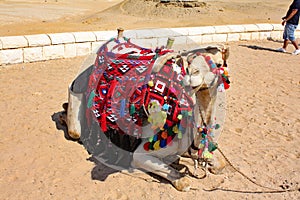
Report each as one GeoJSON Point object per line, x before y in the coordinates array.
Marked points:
{"type": "Point", "coordinates": [142, 121]}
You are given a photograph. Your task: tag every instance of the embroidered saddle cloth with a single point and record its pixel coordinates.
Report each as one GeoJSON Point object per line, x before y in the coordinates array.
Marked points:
{"type": "Point", "coordinates": [125, 95]}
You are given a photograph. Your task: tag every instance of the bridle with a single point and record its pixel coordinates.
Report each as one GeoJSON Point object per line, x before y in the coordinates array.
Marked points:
{"type": "Point", "coordinates": [200, 88]}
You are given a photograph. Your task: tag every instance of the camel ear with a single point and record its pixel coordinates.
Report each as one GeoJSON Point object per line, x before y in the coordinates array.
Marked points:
{"type": "Point", "coordinates": [225, 51]}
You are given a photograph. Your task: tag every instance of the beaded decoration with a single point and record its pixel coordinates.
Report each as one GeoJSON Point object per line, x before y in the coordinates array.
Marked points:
{"type": "Point", "coordinates": [207, 144]}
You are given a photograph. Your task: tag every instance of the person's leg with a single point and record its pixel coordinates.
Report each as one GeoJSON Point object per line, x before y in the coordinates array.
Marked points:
{"type": "Point", "coordinates": [292, 38]}
{"type": "Point", "coordinates": [291, 29]}
{"type": "Point", "coordinates": [285, 44]}
{"type": "Point", "coordinates": [285, 38]}
{"type": "Point", "coordinates": [295, 44]}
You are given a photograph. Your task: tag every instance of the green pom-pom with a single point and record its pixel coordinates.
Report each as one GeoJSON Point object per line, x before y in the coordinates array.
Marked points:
{"type": "Point", "coordinates": [132, 109]}
{"type": "Point", "coordinates": [212, 146]}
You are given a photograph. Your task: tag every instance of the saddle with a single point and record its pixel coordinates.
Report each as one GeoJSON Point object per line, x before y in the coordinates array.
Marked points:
{"type": "Point", "coordinates": [129, 94]}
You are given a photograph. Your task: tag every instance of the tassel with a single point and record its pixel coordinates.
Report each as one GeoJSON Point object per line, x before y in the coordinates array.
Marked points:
{"type": "Point", "coordinates": [91, 99]}
{"type": "Point", "coordinates": [122, 108]}
{"type": "Point", "coordinates": [212, 146]}
{"type": "Point", "coordinates": [112, 87]}
{"type": "Point", "coordinates": [226, 85]}
{"type": "Point", "coordinates": [103, 122]}
{"type": "Point", "coordinates": [132, 109]}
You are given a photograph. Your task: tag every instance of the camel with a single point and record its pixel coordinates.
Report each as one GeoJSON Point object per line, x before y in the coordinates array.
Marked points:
{"type": "Point", "coordinates": [163, 134]}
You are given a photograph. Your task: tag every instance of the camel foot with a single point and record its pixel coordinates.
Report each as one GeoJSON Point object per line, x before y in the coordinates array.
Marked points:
{"type": "Point", "coordinates": [217, 165]}
{"type": "Point", "coordinates": [74, 135]}
{"type": "Point", "coordinates": [183, 184]}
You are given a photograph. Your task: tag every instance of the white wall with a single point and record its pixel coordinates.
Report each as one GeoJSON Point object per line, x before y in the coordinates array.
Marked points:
{"type": "Point", "coordinates": [32, 48]}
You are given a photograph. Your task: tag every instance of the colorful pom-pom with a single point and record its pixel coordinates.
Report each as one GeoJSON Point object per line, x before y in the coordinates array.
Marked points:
{"type": "Point", "coordinates": [179, 117]}
{"type": "Point", "coordinates": [156, 145]}
{"type": "Point", "coordinates": [169, 140]}
{"type": "Point", "coordinates": [132, 109]}
{"type": "Point", "coordinates": [212, 146]}
{"type": "Point", "coordinates": [150, 83]}
{"type": "Point", "coordinates": [164, 135]}
{"type": "Point", "coordinates": [151, 146]}
{"type": "Point", "coordinates": [179, 135]}
{"type": "Point", "coordinates": [146, 146]}
{"type": "Point", "coordinates": [166, 107]}
{"type": "Point", "coordinates": [150, 139]}
{"type": "Point", "coordinates": [163, 143]}
{"type": "Point", "coordinates": [207, 154]}
{"type": "Point", "coordinates": [226, 85]}
{"type": "Point", "coordinates": [175, 129]}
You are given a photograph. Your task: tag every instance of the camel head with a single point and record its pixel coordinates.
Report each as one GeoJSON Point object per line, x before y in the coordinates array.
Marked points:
{"type": "Point", "coordinates": [198, 62]}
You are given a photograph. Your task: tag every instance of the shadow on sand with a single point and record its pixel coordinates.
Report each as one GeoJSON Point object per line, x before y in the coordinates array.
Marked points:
{"type": "Point", "coordinates": [101, 171]}
{"type": "Point", "coordinates": [255, 47]}
{"type": "Point", "coordinates": [56, 117]}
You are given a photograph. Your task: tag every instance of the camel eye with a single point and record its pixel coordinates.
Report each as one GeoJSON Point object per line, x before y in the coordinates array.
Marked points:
{"type": "Point", "coordinates": [197, 71]}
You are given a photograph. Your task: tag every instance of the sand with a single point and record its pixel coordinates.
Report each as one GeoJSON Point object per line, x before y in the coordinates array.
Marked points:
{"type": "Point", "coordinates": [260, 135]}
{"type": "Point", "coordinates": [20, 17]}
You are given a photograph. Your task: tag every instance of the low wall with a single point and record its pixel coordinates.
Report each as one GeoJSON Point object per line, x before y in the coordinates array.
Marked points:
{"type": "Point", "coordinates": [41, 47]}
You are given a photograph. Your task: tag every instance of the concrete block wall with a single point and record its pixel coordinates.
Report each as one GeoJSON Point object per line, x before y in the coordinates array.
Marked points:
{"type": "Point", "coordinates": [41, 47]}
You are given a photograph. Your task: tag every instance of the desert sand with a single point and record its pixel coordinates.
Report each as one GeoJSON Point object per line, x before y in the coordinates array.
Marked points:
{"type": "Point", "coordinates": [21, 17]}
{"type": "Point", "coordinates": [260, 134]}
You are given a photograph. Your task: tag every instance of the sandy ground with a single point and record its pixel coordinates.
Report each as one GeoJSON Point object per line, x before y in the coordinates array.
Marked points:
{"type": "Point", "coordinates": [21, 17]}
{"type": "Point", "coordinates": [260, 136]}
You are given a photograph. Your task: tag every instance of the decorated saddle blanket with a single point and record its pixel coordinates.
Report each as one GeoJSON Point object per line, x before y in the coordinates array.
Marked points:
{"type": "Point", "coordinates": [125, 95]}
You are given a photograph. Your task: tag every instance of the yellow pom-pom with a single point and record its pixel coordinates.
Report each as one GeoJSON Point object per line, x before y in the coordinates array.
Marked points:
{"type": "Point", "coordinates": [207, 154]}
{"type": "Point", "coordinates": [175, 129]}
{"type": "Point", "coordinates": [179, 117]}
{"type": "Point", "coordinates": [179, 135]}
{"type": "Point", "coordinates": [150, 83]}
{"type": "Point", "coordinates": [156, 145]}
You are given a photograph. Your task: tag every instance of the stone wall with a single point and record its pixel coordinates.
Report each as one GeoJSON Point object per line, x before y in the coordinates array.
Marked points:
{"type": "Point", "coordinates": [41, 47]}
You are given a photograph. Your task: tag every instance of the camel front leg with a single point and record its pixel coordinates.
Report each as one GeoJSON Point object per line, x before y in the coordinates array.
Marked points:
{"type": "Point", "coordinates": [155, 165]}
{"type": "Point", "coordinates": [73, 112]}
